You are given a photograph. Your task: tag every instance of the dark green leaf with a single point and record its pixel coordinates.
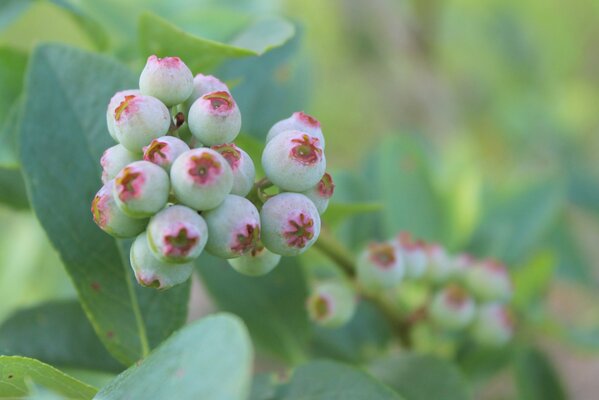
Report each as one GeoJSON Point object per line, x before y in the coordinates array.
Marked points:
{"type": "Point", "coordinates": [11, 10]}
{"type": "Point", "coordinates": [12, 188]}
{"type": "Point", "coordinates": [12, 70]}
{"type": "Point", "coordinates": [536, 378]}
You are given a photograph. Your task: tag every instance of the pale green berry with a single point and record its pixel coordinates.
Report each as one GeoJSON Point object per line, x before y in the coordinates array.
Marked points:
{"type": "Point", "coordinates": [489, 280]}
{"type": "Point", "coordinates": [321, 193]}
{"type": "Point", "coordinates": [380, 266]}
{"type": "Point", "coordinates": [151, 272]}
{"type": "Point", "coordinates": [294, 161]}
{"type": "Point", "coordinates": [298, 121]}
{"type": "Point", "coordinates": [290, 224]}
{"type": "Point", "coordinates": [164, 151]}
{"type": "Point", "coordinates": [109, 217]}
{"type": "Point", "coordinates": [141, 189]}
{"type": "Point", "coordinates": [203, 84]}
{"type": "Point", "coordinates": [201, 178]}
{"type": "Point", "coordinates": [461, 264]}
{"type": "Point", "coordinates": [114, 102]}
{"type": "Point", "coordinates": [439, 266]}
{"type": "Point", "coordinates": [452, 308]}
{"type": "Point", "coordinates": [114, 159]}
{"type": "Point", "coordinates": [177, 234]}
{"type": "Point", "coordinates": [242, 166]}
{"type": "Point", "coordinates": [214, 118]}
{"type": "Point", "coordinates": [257, 262]}
{"type": "Point", "coordinates": [140, 119]}
{"type": "Point", "coordinates": [331, 304]}
{"type": "Point", "coordinates": [168, 79]}
{"type": "Point", "coordinates": [493, 325]}
{"type": "Point", "coordinates": [234, 227]}
{"type": "Point", "coordinates": [414, 255]}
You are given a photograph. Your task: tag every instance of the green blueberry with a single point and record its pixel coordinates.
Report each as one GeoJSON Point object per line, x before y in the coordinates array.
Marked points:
{"type": "Point", "coordinates": [164, 151]}
{"type": "Point", "coordinates": [298, 121]}
{"type": "Point", "coordinates": [380, 266]}
{"type": "Point", "coordinates": [452, 308]}
{"type": "Point", "coordinates": [257, 262]}
{"type": "Point", "coordinates": [114, 159]}
{"type": "Point", "coordinates": [109, 217]}
{"type": "Point", "coordinates": [321, 193]}
{"type": "Point", "coordinates": [242, 166]}
{"type": "Point", "coordinates": [141, 189]}
{"type": "Point", "coordinates": [331, 304]}
{"type": "Point", "coordinates": [214, 118]}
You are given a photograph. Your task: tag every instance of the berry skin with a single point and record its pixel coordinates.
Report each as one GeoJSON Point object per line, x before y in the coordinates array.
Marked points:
{"type": "Point", "coordinates": [141, 189]}
{"type": "Point", "coordinates": [290, 224]}
{"type": "Point", "coordinates": [242, 166]}
{"type": "Point", "coordinates": [257, 262]}
{"type": "Point", "coordinates": [114, 102]}
{"type": "Point", "coordinates": [151, 272]}
{"type": "Point", "coordinates": [168, 79]}
{"type": "Point", "coordinates": [203, 84]}
{"type": "Point", "coordinates": [234, 227]}
{"type": "Point", "coordinates": [299, 121]}
{"type": "Point", "coordinates": [331, 304]}
{"type": "Point", "coordinates": [177, 234]}
{"type": "Point", "coordinates": [164, 151]}
{"type": "Point", "coordinates": [138, 120]}
{"type": "Point", "coordinates": [214, 118]}
{"type": "Point", "coordinates": [109, 217]}
{"type": "Point", "coordinates": [294, 161]}
{"type": "Point", "coordinates": [493, 325]}
{"type": "Point", "coordinates": [321, 193]}
{"type": "Point", "coordinates": [414, 254]}
{"type": "Point", "coordinates": [114, 159]}
{"type": "Point", "coordinates": [452, 308]}
{"type": "Point", "coordinates": [439, 264]}
{"type": "Point", "coordinates": [201, 178]}
{"type": "Point", "coordinates": [489, 280]}
{"type": "Point", "coordinates": [380, 266]}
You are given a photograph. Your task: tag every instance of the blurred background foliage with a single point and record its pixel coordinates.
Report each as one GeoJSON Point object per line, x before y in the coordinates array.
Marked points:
{"type": "Point", "coordinates": [465, 122]}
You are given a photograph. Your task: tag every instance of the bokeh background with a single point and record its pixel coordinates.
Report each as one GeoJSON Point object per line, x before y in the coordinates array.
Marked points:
{"type": "Point", "coordinates": [470, 123]}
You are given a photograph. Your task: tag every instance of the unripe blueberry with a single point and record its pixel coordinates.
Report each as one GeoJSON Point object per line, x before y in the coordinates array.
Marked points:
{"type": "Point", "coordinates": [439, 268]}
{"type": "Point", "coordinates": [114, 102]}
{"type": "Point", "coordinates": [321, 193]}
{"type": "Point", "coordinates": [294, 161]}
{"type": "Point", "coordinates": [242, 166]}
{"type": "Point", "coordinates": [414, 254]}
{"type": "Point", "coordinates": [257, 262]}
{"type": "Point", "coordinates": [331, 304]}
{"type": "Point", "coordinates": [203, 84]}
{"type": "Point", "coordinates": [234, 227]}
{"type": "Point", "coordinates": [452, 308]}
{"type": "Point", "coordinates": [489, 280]}
{"type": "Point", "coordinates": [177, 234]}
{"type": "Point", "coordinates": [138, 120]}
{"type": "Point", "coordinates": [109, 217]}
{"type": "Point", "coordinates": [461, 264]}
{"type": "Point", "coordinates": [141, 189]}
{"type": "Point", "coordinates": [151, 272]}
{"type": "Point", "coordinates": [380, 266]}
{"type": "Point", "coordinates": [168, 79]}
{"type": "Point", "coordinates": [299, 121]}
{"type": "Point", "coordinates": [114, 159]}
{"type": "Point", "coordinates": [493, 325]}
{"type": "Point", "coordinates": [201, 178]}
{"type": "Point", "coordinates": [290, 224]}
{"type": "Point", "coordinates": [164, 151]}
{"type": "Point", "coordinates": [214, 118]}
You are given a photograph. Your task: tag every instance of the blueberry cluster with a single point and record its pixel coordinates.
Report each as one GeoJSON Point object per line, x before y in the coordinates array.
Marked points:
{"type": "Point", "coordinates": [178, 183]}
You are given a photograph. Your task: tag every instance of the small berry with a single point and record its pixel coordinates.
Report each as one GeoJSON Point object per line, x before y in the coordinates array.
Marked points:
{"type": "Point", "coordinates": [138, 120]}
{"type": "Point", "coordinates": [242, 166]}
{"type": "Point", "coordinates": [177, 234]}
{"type": "Point", "coordinates": [461, 264]}
{"type": "Point", "coordinates": [439, 264]}
{"type": "Point", "coordinates": [380, 266]}
{"type": "Point", "coordinates": [109, 217]}
{"type": "Point", "coordinates": [452, 308]}
{"type": "Point", "coordinates": [257, 262]}
{"type": "Point", "coordinates": [331, 304]}
{"type": "Point", "coordinates": [294, 161]}
{"type": "Point", "coordinates": [214, 118]}
{"type": "Point", "coordinates": [489, 280]}
{"type": "Point", "coordinates": [114, 102]}
{"type": "Point", "coordinates": [493, 325]}
{"type": "Point", "coordinates": [290, 224]}
{"type": "Point", "coordinates": [299, 121]}
{"type": "Point", "coordinates": [168, 79]}
{"type": "Point", "coordinates": [234, 227]}
{"type": "Point", "coordinates": [141, 189]}
{"type": "Point", "coordinates": [321, 193]}
{"type": "Point", "coordinates": [164, 151]}
{"type": "Point", "coordinates": [114, 159]}
{"type": "Point", "coordinates": [203, 84]}
{"type": "Point", "coordinates": [414, 254]}
{"type": "Point", "coordinates": [201, 178]}
{"type": "Point", "coordinates": [151, 272]}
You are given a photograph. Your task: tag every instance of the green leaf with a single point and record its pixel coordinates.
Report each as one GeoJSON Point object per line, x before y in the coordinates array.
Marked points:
{"type": "Point", "coordinates": [17, 373]}
{"type": "Point", "coordinates": [328, 380]}
{"type": "Point", "coordinates": [68, 340]}
{"type": "Point", "coordinates": [12, 71]}
{"type": "Point", "coordinates": [208, 359]}
{"type": "Point", "coordinates": [90, 26]}
{"type": "Point", "coordinates": [62, 139]}
{"type": "Point", "coordinates": [158, 36]}
{"type": "Point", "coordinates": [421, 377]}
{"type": "Point", "coordinates": [536, 378]}
{"type": "Point", "coordinates": [338, 212]}
{"type": "Point", "coordinates": [531, 281]}
{"type": "Point", "coordinates": [272, 306]}
{"type": "Point", "coordinates": [11, 10]}
{"type": "Point", "coordinates": [264, 387]}
{"type": "Point", "coordinates": [12, 188]}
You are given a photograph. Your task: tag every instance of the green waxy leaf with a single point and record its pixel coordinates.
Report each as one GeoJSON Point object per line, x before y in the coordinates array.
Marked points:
{"type": "Point", "coordinates": [536, 378]}
{"type": "Point", "coordinates": [12, 188]}
{"type": "Point", "coordinates": [208, 359]}
{"type": "Point", "coordinates": [11, 10]}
